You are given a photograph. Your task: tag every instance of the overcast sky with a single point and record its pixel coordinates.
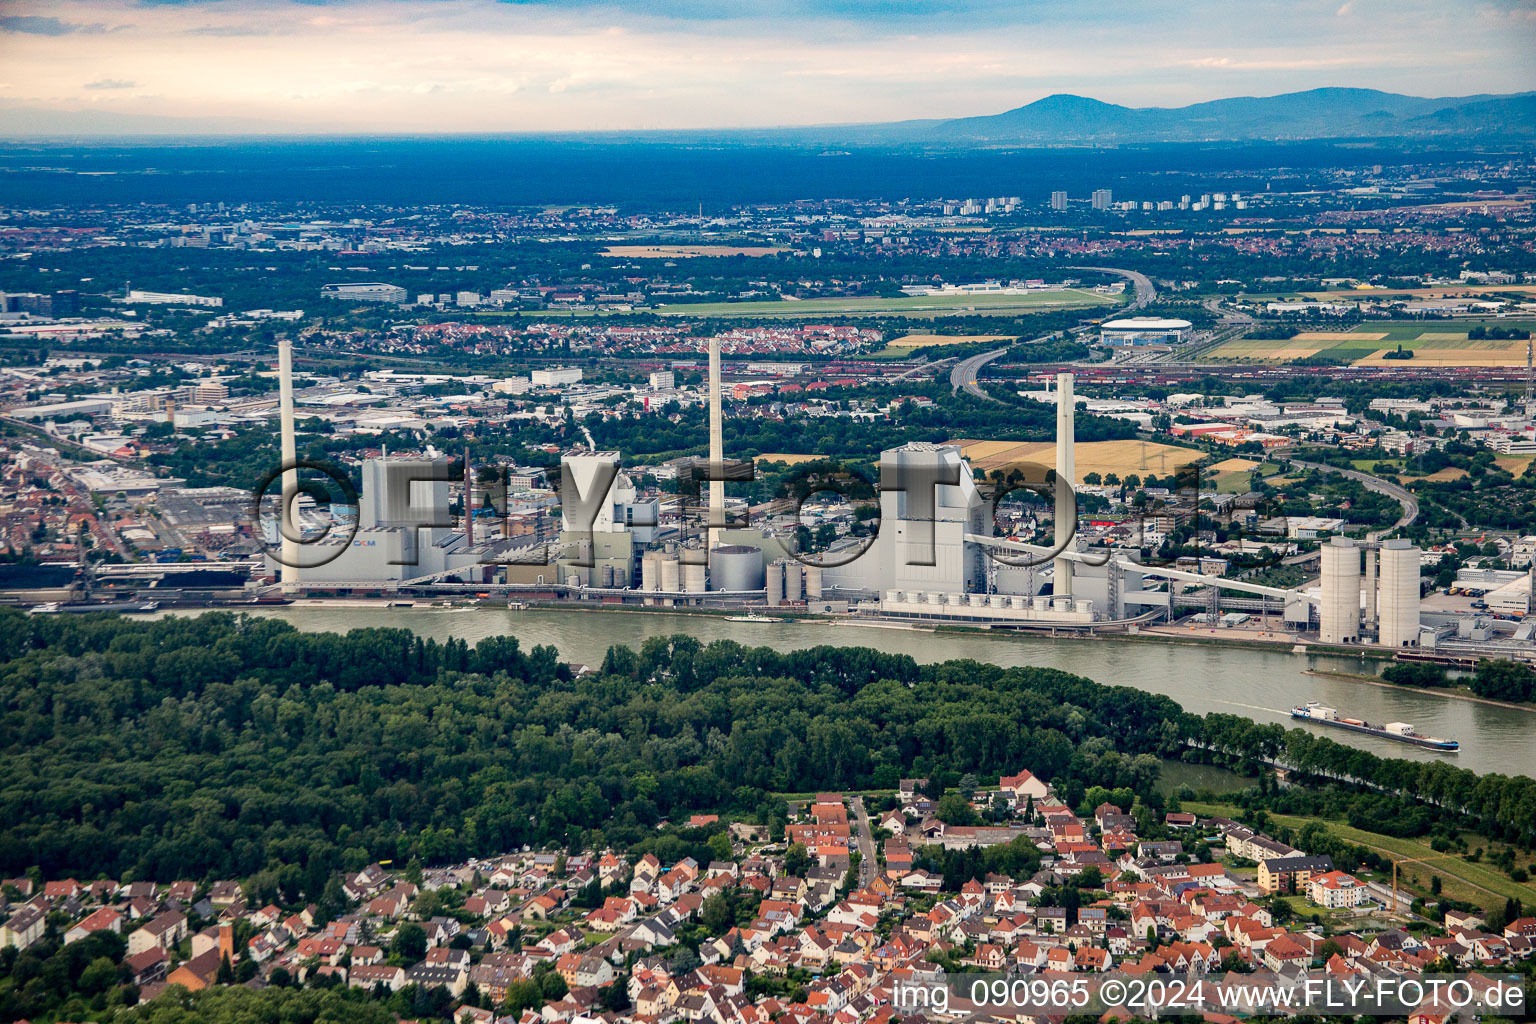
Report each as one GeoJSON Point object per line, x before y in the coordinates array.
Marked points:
{"type": "Point", "coordinates": [482, 65]}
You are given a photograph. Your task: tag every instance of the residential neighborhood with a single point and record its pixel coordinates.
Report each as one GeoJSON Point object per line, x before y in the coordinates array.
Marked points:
{"type": "Point", "coordinates": [786, 928]}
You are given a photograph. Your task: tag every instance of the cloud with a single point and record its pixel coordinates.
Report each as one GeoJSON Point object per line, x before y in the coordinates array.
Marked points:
{"type": "Point", "coordinates": [531, 65]}
{"type": "Point", "coordinates": [39, 25]}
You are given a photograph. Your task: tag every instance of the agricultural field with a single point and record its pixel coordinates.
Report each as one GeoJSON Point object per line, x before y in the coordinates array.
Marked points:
{"type": "Point", "coordinates": [915, 305]}
{"type": "Point", "coordinates": [658, 252]}
{"type": "Point", "coordinates": [1433, 343]}
{"type": "Point", "coordinates": [788, 458]}
{"type": "Point", "coordinates": [924, 340]}
{"type": "Point", "coordinates": [1102, 457]}
{"type": "Point", "coordinates": [1404, 471]}
{"type": "Point", "coordinates": [1229, 476]}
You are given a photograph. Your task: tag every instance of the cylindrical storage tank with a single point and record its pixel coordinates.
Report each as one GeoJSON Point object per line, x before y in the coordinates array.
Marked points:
{"type": "Point", "coordinates": [1083, 607]}
{"type": "Point", "coordinates": [695, 577]}
{"type": "Point", "coordinates": [620, 576]}
{"type": "Point", "coordinates": [934, 597]}
{"type": "Point", "coordinates": [1042, 604]}
{"type": "Point", "coordinates": [1061, 604]}
{"type": "Point", "coordinates": [774, 584]}
{"type": "Point", "coordinates": [893, 596]}
{"type": "Point", "coordinates": [975, 600]}
{"type": "Point", "coordinates": [1021, 603]}
{"type": "Point", "coordinates": [1339, 616]}
{"type": "Point", "coordinates": [573, 580]}
{"type": "Point", "coordinates": [737, 567]}
{"type": "Point", "coordinates": [607, 575]}
{"type": "Point", "coordinates": [813, 583]}
{"type": "Point", "coordinates": [794, 586]}
{"type": "Point", "coordinates": [670, 575]}
{"type": "Point", "coordinates": [650, 571]}
{"type": "Point", "coordinates": [1397, 605]}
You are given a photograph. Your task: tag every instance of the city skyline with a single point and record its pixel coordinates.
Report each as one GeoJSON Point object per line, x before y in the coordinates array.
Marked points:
{"type": "Point", "coordinates": [474, 66]}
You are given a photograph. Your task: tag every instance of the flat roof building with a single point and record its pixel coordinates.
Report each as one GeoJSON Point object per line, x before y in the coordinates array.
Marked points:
{"type": "Point", "coordinates": [1144, 330]}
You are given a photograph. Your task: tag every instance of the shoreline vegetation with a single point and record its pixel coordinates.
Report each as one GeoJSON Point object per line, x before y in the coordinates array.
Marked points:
{"type": "Point", "coordinates": [794, 616]}
{"type": "Point", "coordinates": [379, 740]}
{"type": "Point", "coordinates": [1460, 693]}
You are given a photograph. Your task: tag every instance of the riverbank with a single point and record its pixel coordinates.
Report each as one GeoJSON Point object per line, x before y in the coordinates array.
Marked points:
{"type": "Point", "coordinates": [1459, 693]}
{"type": "Point", "coordinates": [1261, 684]}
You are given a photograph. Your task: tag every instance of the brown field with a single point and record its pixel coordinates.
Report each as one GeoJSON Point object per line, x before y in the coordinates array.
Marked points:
{"type": "Point", "coordinates": [1512, 464]}
{"type": "Point", "coordinates": [1436, 356]}
{"type": "Point", "coordinates": [1102, 457]}
{"type": "Point", "coordinates": [919, 340]}
{"type": "Point", "coordinates": [1440, 476]}
{"type": "Point", "coordinates": [656, 252]}
{"type": "Point", "coordinates": [1233, 466]}
{"type": "Point", "coordinates": [1338, 336]}
{"type": "Point", "coordinates": [1255, 349]}
{"type": "Point", "coordinates": [1450, 291]}
{"type": "Point", "coordinates": [787, 458]}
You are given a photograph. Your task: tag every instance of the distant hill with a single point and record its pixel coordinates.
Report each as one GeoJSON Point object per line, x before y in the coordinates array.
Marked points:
{"type": "Point", "coordinates": [1064, 119]}
{"type": "Point", "coordinates": [1061, 120]}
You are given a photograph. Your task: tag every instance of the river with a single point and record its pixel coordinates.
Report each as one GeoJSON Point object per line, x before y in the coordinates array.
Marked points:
{"type": "Point", "coordinates": [1258, 684]}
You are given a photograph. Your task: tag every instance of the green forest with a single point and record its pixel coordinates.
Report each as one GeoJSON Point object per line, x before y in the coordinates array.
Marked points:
{"type": "Point", "coordinates": [235, 747]}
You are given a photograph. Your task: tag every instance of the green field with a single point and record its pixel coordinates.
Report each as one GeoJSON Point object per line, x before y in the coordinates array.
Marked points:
{"type": "Point", "coordinates": [935, 305]}
{"type": "Point", "coordinates": [1480, 883]}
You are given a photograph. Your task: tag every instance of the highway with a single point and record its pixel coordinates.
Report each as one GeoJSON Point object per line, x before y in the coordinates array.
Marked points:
{"type": "Point", "coordinates": [1145, 293]}
{"type": "Point", "coordinates": [965, 372]}
{"type": "Point", "coordinates": [1377, 484]}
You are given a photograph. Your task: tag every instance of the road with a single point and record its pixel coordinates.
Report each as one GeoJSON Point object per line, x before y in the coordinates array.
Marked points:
{"type": "Point", "coordinates": [1145, 293]}
{"type": "Point", "coordinates": [867, 863]}
{"type": "Point", "coordinates": [965, 372]}
{"type": "Point", "coordinates": [1377, 484]}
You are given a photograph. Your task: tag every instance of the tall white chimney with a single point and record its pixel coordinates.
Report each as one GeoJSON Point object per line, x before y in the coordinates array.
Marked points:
{"type": "Point", "coordinates": [290, 534]}
{"type": "Point", "coordinates": [1066, 505]}
{"type": "Point", "coordinates": [716, 443]}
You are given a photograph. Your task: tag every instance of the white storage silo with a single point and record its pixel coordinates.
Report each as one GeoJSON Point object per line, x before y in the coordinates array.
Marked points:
{"type": "Point", "coordinates": [774, 584]}
{"type": "Point", "coordinates": [670, 574]}
{"type": "Point", "coordinates": [695, 577]}
{"type": "Point", "coordinates": [1339, 616]}
{"type": "Point", "coordinates": [794, 587]}
{"type": "Point", "coordinates": [1398, 603]}
{"type": "Point", "coordinates": [813, 583]}
{"type": "Point", "coordinates": [650, 571]}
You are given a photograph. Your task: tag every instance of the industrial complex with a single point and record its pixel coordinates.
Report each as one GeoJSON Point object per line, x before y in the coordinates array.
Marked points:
{"type": "Point", "coordinates": [936, 557]}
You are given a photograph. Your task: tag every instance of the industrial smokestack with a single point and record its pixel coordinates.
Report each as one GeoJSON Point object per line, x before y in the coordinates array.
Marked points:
{"type": "Point", "coordinates": [469, 501]}
{"type": "Point", "coordinates": [288, 521]}
{"type": "Point", "coordinates": [1370, 587]}
{"type": "Point", "coordinates": [716, 444]}
{"type": "Point", "coordinates": [1066, 505]}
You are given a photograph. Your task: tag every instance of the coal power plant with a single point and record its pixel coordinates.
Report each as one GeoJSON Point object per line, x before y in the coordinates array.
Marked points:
{"type": "Point", "coordinates": [935, 556]}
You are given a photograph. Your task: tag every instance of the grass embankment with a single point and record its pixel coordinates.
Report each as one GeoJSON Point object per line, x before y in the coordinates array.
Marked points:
{"type": "Point", "coordinates": [1480, 883]}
